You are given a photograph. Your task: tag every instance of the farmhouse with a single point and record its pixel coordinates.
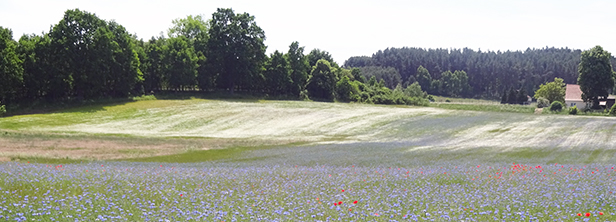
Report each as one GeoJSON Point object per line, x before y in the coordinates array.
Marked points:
{"type": "Point", "coordinates": [573, 97]}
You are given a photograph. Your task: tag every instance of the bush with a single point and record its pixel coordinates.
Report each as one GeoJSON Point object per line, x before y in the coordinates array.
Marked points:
{"type": "Point", "coordinates": [2, 110]}
{"type": "Point", "coordinates": [573, 110]}
{"type": "Point", "coordinates": [447, 100]}
{"type": "Point", "coordinates": [542, 102]}
{"type": "Point", "coordinates": [612, 111]}
{"type": "Point", "coordinates": [431, 98]}
{"type": "Point", "coordinates": [556, 106]}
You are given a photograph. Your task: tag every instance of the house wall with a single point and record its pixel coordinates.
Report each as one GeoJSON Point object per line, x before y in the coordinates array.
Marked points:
{"type": "Point", "coordinates": [580, 104]}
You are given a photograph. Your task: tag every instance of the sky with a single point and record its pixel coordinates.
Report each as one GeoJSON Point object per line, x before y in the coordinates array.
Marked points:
{"type": "Point", "coordinates": [359, 27]}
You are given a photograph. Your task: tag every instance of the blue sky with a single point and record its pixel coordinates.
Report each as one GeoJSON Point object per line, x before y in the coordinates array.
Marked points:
{"type": "Point", "coordinates": [360, 27]}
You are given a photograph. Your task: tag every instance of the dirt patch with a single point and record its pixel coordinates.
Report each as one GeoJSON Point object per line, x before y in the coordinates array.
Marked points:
{"type": "Point", "coordinates": [108, 148]}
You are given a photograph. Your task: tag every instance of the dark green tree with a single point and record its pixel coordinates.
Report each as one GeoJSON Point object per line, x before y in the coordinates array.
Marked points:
{"type": "Point", "coordinates": [96, 55]}
{"type": "Point", "coordinates": [322, 81]}
{"type": "Point", "coordinates": [278, 75]}
{"type": "Point", "coordinates": [389, 75]}
{"type": "Point", "coordinates": [357, 76]}
{"type": "Point", "coordinates": [11, 70]}
{"type": "Point", "coordinates": [181, 60]}
{"type": "Point", "coordinates": [504, 97]}
{"type": "Point", "coordinates": [316, 54]}
{"type": "Point", "coordinates": [235, 51]}
{"type": "Point", "coordinates": [299, 68]}
{"type": "Point", "coordinates": [596, 75]}
{"type": "Point", "coordinates": [154, 67]}
{"type": "Point", "coordinates": [423, 77]}
{"type": "Point", "coordinates": [72, 40]}
{"type": "Point", "coordinates": [346, 91]}
{"type": "Point", "coordinates": [512, 96]}
{"type": "Point", "coordinates": [195, 30]}
{"type": "Point", "coordinates": [124, 64]}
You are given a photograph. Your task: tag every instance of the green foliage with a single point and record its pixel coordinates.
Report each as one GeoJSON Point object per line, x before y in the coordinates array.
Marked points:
{"type": "Point", "coordinates": [96, 58]}
{"type": "Point", "coordinates": [2, 110]}
{"type": "Point", "coordinates": [552, 91]}
{"type": "Point", "coordinates": [278, 75]}
{"type": "Point", "coordinates": [154, 66]}
{"type": "Point", "coordinates": [423, 77]}
{"type": "Point", "coordinates": [194, 28]}
{"type": "Point", "coordinates": [181, 60]}
{"type": "Point", "coordinates": [453, 84]}
{"type": "Point", "coordinates": [356, 72]}
{"type": "Point", "coordinates": [504, 97]}
{"type": "Point", "coordinates": [298, 63]}
{"type": "Point", "coordinates": [556, 106]}
{"type": "Point", "coordinates": [316, 54]}
{"type": "Point", "coordinates": [489, 72]}
{"type": "Point", "coordinates": [389, 75]}
{"type": "Point", "coordinates": [573, 110]}
{"type": "Point", "coordinates": [235, 51]}
{"type": "Point", "coordinates": [322, 81]}
{"type": "Point", "coordinates": [11, 70]}
{"type": "Point", "coordinates": [542, 102]}
{"type": "Point", "coordinates": [595, 75]}
{"type": "Point", "coordinates": [612, 111]}
{"type": "Point", "coordinates": [346, 90]}
{"type": "Point", "coordinates": [414, 90]}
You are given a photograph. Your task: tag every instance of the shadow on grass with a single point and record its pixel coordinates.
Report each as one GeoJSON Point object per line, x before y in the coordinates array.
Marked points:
{"type": "Point", "coordinates": [95, 105]}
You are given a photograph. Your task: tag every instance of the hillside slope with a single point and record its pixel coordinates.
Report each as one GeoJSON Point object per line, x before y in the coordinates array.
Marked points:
{"type": "Point", "coordinates": [171, 126]}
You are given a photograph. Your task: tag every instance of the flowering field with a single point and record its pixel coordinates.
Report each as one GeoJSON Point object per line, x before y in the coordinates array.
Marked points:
{"type": "Point", "coordinates": [270, 187]}
{"type": "Point", "coordinates": [354, 163]}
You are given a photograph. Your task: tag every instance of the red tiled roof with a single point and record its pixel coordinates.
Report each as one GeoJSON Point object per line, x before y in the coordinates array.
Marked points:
{"type": "Point", "coordinates": [573, 92]}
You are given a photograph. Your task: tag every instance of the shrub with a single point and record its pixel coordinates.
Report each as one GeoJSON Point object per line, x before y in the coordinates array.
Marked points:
{"type": "Point", "coordinates": [542, 102]}
{"type": "Point", "coordinates": [447, 100]}
{"type": "Point", "coordinates": [556, 106]}
{"type": "Point", "coordinates": [613, 110]}
{"type": "Point", "coordinates": [431, 98]}
{"type": "Point", "coordinates": [573, 110]}
{"type": "Point", "coordinates": [2, 110]}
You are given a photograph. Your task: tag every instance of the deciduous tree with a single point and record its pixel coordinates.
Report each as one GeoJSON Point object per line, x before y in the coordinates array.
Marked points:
{"type": "Point", "coordinates": [11, 70]}
{"type": "Point", "coordinates": [278, 74]}
{"type": "Point", "coordinates": [322, 81]}
{"type": "Point", "coordinates": [235, 50]}
{"type": "Point", "coordinates": [596, 75]}
{"type": "Point", "coordinates": [299, 68]}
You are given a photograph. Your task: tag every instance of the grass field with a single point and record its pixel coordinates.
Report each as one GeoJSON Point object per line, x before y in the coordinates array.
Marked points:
{"type": "Point", "coordinates": [249, 160]}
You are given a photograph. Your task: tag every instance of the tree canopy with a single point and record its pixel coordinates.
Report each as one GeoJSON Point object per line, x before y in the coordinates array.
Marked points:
{"type": "Point", "coordinates": [490, 73]}
{"type": "Point", "coordinates": [552, 91]}
{"type": "Point", "coordinates": [235, 51]}
{"type": "Point", "coordinates": [11, 71]}
{"type": "Point", "coordinates": [596, 75]}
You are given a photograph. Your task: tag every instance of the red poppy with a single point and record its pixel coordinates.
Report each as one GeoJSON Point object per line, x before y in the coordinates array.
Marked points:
{"type": "Point", "coordinates": [340, 203]}
{"type": "Point", "coordinates": [579, 214]}
{"type": "Point", "coordinates": [601, 213]}
{"type": "Point", "coordinates": [587, 214]}
{"type": "Point", "coordinates": [342, 190]}
{"type": "Point", "coordinates": [335, 204]}
{"type": "Point", "coordinates": [355, 202]}
{"type": "Point", "coordinates": [181, 195]}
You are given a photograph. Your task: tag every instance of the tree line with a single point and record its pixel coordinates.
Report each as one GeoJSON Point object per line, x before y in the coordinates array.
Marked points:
{"type": "Point", "coordinates": [84, 57]}
{"type": "Point", "coordinates": [490, 74]}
